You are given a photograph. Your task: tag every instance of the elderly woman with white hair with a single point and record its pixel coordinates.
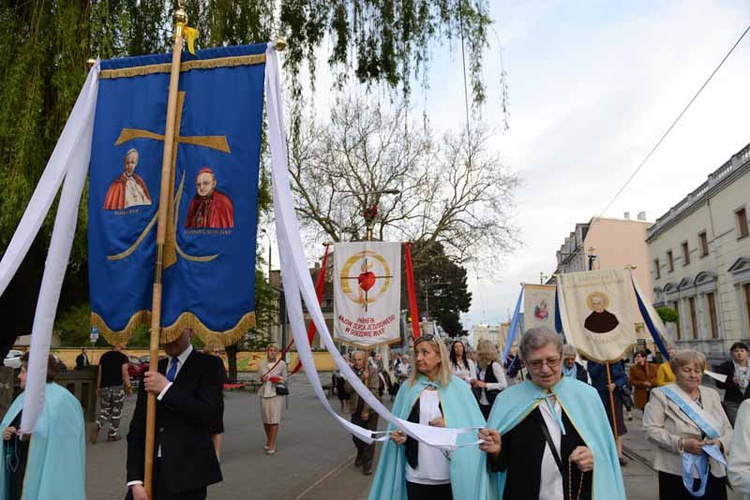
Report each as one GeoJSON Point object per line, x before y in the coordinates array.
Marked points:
{"type": "Point", "coordinates": [571, 367]}
{"type": "Point", "coordinates": [687, 422]}
{"type": "Point", "coordinates": [549, 437]}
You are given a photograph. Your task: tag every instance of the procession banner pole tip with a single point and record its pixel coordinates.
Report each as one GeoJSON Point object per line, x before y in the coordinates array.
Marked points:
{"type": "Point", "coordinates": [280, 44]}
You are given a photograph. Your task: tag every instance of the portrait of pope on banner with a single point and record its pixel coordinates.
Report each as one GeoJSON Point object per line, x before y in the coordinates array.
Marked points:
{"type": "Point", "coordinates": [209, 208]}
{"type": "Point", "coordinates": [128, 190]}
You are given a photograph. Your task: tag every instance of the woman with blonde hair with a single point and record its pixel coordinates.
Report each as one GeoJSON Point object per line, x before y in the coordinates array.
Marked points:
{"type": "Point", "coordinates": [432, 396]}
{"type": "Point", "coordinates": [272, 372]}
{"type": "Point", "coordinates": [491, 379]}
{"type": "Point", "coordinates": [688, 423]}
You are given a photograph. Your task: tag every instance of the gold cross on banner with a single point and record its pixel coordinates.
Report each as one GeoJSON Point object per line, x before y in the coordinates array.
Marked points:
{"type": "Point", "coordinates": [217, 142]}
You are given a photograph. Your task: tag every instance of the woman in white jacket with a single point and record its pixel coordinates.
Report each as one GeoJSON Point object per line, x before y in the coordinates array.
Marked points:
{"type": "Point", "coordinates": [739, 457]}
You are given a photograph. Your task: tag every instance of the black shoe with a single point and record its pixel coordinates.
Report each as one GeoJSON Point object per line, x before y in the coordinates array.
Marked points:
{"type": "Point", "coordinates": [367, 472]}
{"type": "Point", "coordinates": [623, 461]}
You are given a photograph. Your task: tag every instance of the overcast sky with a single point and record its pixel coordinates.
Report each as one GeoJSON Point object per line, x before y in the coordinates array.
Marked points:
{"type": "Point", "coordinates": [593, 85]}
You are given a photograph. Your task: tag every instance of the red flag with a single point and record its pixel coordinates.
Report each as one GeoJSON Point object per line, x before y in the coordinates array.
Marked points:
{"type": "Point", "coordinates": [411, 291]}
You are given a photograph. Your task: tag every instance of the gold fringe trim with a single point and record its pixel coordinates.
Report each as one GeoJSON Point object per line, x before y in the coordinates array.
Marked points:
{"type": "Point", "coordinates": [225, 338]}
{"type": "Point", "coordinates": [220, 62]}
{"type": "Point", "coordinates": [171, 332]}
{"type": "Point", "coordinates": [122, 336]}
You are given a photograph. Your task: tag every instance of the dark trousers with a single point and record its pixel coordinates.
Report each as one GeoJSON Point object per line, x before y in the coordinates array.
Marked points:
{"type": "Point", "coordinates": [671, 488]}
{"type": "Point", "coordinates": [365, 452]}
{"type": "Point", "coordinates": [416, 491]}
{"type": "Point", "coordinates": [485, 409]}
{"type": "Point", "coordinates": [160, 493]}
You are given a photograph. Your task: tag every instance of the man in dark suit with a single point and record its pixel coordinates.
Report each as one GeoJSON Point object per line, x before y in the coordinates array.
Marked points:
{"type": "Point", "coordinates": [82, 360]}
{"type": "Point", "coordinates": [188, 387]}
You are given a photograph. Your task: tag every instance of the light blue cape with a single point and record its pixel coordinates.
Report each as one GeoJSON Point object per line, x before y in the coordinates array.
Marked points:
{"type": "Point", "coordinates": [56, 464]}
{"type": "Point", "coordinates": [468, 468]}
{"type": "Point", "coordinates": [582, 404]}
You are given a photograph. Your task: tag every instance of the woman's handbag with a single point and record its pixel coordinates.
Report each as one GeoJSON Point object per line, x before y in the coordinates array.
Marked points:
{"type": "Point", "coordinates": [282, 389]}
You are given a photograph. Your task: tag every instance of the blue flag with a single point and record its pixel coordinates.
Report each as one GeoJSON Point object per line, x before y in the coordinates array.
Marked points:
{"type": "Point", "coordinates": [209, 255]}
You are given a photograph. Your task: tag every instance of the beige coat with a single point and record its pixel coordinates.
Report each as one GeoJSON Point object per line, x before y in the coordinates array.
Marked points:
{"type": "Point", "coordinates": [357, 404]}
{"type": "Point", "coordinates": [739, 458]}
{"type": "Point", "coordinates": [665, 423]}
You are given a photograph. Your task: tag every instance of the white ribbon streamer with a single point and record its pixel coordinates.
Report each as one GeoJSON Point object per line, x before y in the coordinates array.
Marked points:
{"type": "Point", "coordinates": [71, 159]}
{"type": "Point", "coordinates": [49, 183]}
{"type": "Point", "coordinates": [297, 280]}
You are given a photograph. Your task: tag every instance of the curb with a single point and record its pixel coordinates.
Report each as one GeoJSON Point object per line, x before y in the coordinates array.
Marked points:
{"type": "Point", "coordinates": [638, 458]}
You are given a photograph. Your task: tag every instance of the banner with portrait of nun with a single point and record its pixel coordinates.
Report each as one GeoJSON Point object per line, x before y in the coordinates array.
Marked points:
{"type": "Point", "coordinates": [598, 312]}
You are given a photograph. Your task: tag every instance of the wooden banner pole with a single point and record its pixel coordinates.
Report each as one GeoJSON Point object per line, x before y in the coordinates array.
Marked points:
{"type": "Point", "coordinates": [612, 401]}
{"type": "Point", "coordinates": [180, 18]}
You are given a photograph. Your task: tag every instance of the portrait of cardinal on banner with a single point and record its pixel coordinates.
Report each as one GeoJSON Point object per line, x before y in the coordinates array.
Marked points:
{"type": "Point", "coordinates": [209, 208]}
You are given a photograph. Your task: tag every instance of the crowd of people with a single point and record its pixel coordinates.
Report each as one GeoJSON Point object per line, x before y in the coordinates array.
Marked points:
{"type": "Point", "coordinates": [544, 433]}
{"type": "Point", "coordinates": [552, 432]}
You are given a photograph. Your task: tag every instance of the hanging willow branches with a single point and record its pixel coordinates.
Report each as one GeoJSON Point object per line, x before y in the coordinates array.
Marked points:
{"type": "Point", "coordinates": [44, 45]}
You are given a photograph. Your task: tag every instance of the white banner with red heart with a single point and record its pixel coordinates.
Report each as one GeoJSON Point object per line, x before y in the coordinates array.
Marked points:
{"type": "Point", "coordinates": [367, 292]}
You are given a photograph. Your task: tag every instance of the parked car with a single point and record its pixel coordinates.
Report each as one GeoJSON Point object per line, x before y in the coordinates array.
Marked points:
{"type": "Point", "coordinates": [145, 360]}
{"type": "Point", "coordinates": [13, 359]}
{"type": "Point", "coordinates": [136, 367]}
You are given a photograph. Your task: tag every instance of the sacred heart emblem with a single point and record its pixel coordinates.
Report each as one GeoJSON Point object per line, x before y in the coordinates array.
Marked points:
{"type": "Point", "coordinates": [373, 279]}
{"type": "Point", "coordinates": [366, 280]}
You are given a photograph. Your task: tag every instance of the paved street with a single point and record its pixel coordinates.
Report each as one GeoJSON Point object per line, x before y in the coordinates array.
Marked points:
{"type": "Point", "coordinates": [314, 458]}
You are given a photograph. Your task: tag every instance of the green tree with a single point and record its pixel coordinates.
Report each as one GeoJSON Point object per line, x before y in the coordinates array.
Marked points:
{"type": "Point", "coordinates": [44, 45]}
{"type": "Point", "coordinates": [667, 314]}
{"type": "Point", "coordinates": [442, 291]}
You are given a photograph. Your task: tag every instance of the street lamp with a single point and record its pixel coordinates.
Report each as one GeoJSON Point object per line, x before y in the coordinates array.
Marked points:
{"type": "Point", "coordinates": [370, 212]}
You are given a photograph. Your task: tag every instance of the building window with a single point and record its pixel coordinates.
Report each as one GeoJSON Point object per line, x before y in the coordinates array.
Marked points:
{"type": "Point", "coordinates": [741, 216]}
{"type": "Point", "coordinates": [712, 319]}
{"type": "Point", "coordinates": [657, 273]}
{"type": "Point", "coordinates": [693, 322]}
{"type": "Point", "coordinates": [676, 308]}
{"type": "Point", "coordinates": [670, 261]}
{"type": "Point", "coordinates": [685, 253]}
{"type": "Point", "coordinates": [703, 243]}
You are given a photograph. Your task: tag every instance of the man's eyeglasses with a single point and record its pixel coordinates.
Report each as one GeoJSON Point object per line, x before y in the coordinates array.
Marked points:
{"type": "Point", "coordinates": [537, 364]}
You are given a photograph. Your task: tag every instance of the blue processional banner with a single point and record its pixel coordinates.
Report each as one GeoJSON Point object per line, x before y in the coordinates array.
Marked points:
{"type": "Point", "coordinates": [209, 255]}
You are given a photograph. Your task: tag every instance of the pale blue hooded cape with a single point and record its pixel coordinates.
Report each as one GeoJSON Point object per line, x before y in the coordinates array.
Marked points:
{"type": "Point", "coordinates": [468, 468]}
{"type": "Point", "coordinates": [55, 467]}
{"type": "Point", "coordinates": [584, 407]}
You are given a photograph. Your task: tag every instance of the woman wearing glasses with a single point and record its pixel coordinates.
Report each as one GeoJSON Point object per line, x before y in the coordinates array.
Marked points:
{"type": "Point", "coordinates": [432, 396]}
{"type": "Point", "coordinates": [546, 435]}
{"type": "Point", "coordinates": [693, 434]}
